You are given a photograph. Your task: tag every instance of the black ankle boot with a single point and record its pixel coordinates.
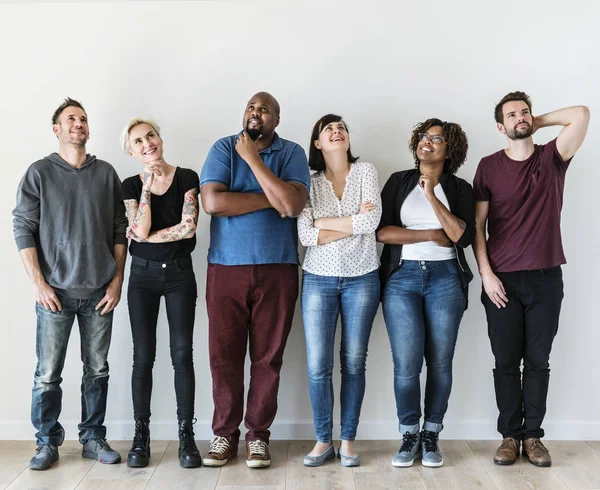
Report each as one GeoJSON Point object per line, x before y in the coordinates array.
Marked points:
{"type": "Point", "coordinates": [189, 456]}
{"type": "Point", "coordinates": [139, 454]}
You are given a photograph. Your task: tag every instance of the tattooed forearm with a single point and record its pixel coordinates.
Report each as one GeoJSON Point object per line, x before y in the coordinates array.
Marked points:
{"type": "Point", "coordinates": [186, 228]}
{"type": "Point", "coordinates": [139, 215]}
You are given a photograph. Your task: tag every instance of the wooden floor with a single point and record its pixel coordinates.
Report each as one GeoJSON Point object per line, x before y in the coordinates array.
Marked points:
{"type": "Point", "coordinates": [467, 464]}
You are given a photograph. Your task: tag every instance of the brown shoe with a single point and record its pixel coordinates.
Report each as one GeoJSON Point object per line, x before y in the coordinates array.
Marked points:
{"type": "Point", "coordinates": [219, 452]}
{"type": "Point", "coordinates": [536, 452]}
{"type": "Point", "coordinates": [257, 454]}
{"type": "Point", "coordinates": [508, 452]}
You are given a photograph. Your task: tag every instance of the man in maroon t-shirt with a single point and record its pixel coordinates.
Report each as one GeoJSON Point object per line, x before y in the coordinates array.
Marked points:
{"type": "Point", "coordinates": [519, 194]}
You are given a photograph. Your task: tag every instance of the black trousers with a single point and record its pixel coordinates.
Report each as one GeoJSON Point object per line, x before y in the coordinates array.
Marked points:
{"type": "Point", "coordinates": [175, 281]}
{"type": "Point", "coordinates": [524, 330]}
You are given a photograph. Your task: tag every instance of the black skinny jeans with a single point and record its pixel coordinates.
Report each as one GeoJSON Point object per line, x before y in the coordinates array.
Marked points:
{"type": "Point", "coordinates": [175, 281]}
{"type": "Point", "coordinates": [524, 330]}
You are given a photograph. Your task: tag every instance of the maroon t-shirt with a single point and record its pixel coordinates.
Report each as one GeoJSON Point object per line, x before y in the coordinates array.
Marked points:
{"type": "Point", "coordinates": [525, 203]}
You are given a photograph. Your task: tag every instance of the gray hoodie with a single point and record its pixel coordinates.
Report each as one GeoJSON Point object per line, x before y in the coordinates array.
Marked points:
{"type": "Point", "coordinates": [73, 217]}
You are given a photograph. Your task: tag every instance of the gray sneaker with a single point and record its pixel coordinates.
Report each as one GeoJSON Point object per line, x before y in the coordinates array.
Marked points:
{"type": "Point", "coordinates": [99, 449]}
{"type": "Point", "coordinates": [432, 457]}
{"type": "Point", "coordinates": [409, 450]}
{"type": "Point", "coordinates": [45, 455]}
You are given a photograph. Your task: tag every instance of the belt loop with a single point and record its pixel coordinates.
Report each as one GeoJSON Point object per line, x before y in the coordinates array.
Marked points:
{"type": "Point", "coordinates": [146, 264]}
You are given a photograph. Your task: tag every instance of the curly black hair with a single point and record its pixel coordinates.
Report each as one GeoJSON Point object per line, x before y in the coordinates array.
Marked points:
{"type": "Point", "coordinates": [456, 139]}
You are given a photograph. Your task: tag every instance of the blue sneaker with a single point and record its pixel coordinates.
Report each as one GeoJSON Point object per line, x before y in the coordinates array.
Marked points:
{"type": "Point", "coordinates": [409, 450]}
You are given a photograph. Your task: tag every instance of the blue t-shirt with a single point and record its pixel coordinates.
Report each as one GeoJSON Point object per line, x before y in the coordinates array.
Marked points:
{"type": "Point", "coordinates": [260, 237]}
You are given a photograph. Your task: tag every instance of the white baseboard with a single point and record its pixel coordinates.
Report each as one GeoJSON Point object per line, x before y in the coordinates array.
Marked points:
{"type": "Point", "coordinates": [382, 430]}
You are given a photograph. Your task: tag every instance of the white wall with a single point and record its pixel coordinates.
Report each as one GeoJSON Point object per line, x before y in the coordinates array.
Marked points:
{"type": "Point", "coordinates": [384, 66]}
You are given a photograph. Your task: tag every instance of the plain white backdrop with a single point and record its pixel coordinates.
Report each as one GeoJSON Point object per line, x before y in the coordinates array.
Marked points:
{"type": "Point", "coordinates": [384, 66]}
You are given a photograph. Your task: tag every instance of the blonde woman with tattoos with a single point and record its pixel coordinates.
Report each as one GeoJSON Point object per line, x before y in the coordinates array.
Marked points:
{"type": "Point", "coordinates": [162, 210]}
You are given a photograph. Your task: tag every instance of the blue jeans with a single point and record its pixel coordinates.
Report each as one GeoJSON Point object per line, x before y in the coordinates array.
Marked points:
{"type": "Point", "coordinates": [52, 336]}
{"type": "Point", "coordinates": [323, 299]}
{"type": "Point", "coordinates": [423, 304]}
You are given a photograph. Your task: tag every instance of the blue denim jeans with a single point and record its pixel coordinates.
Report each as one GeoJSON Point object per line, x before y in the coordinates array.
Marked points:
{"type": "Point", "coordinates": [324, 298]}
{"type": "Point", "coordinates": [52, 336]}
{"type": "Point", "coordinates": [423, 304]}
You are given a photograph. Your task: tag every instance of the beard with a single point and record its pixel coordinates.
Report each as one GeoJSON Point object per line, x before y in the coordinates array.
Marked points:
{"type": "Point", "coordinates": [521, 133]}
{"type": "Point", "coordinates": [254, 133]}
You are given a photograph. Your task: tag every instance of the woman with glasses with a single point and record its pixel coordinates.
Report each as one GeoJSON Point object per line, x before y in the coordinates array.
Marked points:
{"type": "Point", "coordinates": [340, 279]}
{"type": "Point", "coordinates": [162, 209]}
{"type": "Point", "coordinates": [428, 220]}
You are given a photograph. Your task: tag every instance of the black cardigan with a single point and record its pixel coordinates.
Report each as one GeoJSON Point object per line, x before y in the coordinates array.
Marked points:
{"type": "Point", "coordinates": [462, 204]}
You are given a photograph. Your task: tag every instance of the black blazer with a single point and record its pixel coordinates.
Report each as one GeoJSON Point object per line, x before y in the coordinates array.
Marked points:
{"type": "Point", "coordinates": [462, 204]}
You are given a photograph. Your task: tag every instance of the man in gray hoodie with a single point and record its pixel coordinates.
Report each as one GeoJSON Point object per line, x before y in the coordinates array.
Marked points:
{"type": "Point", "coordinates": [69, 225]}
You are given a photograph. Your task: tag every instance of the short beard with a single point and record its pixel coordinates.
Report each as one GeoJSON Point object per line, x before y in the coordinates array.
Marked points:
{"type": "Point", "coordinates": [254, 133]}
{"type": "Point", "coordinates": [520, 134]}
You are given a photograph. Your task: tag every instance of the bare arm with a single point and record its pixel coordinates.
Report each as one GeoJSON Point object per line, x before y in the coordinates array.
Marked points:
{"type": "Point", "coordinates": [575, 120]}
{"type": "Point", "coordinates": [43, 292]}
{"type": "Point", "coordinates": [139, 215]}
{"type": "Point", "coordinates": [186, 228]}
{"type": "Point", "coordinates": [453, 226]}
{"type": "Point", "coordinates": [491, 284]}
{"type": "Point", "coordinates": [218, 201]}
{"type": "Point", "coordinates": [397, 235]}
{"type": "Point", "coordinates": [288, 198]}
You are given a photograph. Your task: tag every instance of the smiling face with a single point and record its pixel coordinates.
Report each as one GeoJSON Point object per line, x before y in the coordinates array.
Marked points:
{"type": "Point", "coordinates": [517, 120]}
{"type": "Point", "coordinates": [333, 137]}
{"type": "Point", "coordinates": [261, 116]}
{"type": "Point", "coordinates": [72, 128]}
{"type": "Point", "coordinates": [430, 149]}
{"type": "Point", "coordinates": [145, 144]}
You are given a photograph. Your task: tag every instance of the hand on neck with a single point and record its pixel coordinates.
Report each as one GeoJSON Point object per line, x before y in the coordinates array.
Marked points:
{"type": "Point", "coordinates": [433, 170]}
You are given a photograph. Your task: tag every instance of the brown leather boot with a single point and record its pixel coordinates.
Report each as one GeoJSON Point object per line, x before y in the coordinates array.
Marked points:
{"type": "Point", "coordinates": [536, 452]}
{"type": "Point", "coordinates": [508, 452]}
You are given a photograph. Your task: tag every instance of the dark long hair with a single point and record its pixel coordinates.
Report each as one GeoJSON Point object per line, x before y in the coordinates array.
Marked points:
{"type": "Point", "coordinates": [457, 143]}
{"type": "Point", "coordinates": [315, 156]}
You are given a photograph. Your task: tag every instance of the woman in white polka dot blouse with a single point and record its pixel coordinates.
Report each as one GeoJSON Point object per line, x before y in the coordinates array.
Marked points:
{"type": "Point", "coordinates": [340, 278]}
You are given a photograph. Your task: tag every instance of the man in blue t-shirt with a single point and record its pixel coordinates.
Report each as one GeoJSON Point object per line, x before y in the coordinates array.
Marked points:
{"type": "Point", "coordinates": [253, 184]}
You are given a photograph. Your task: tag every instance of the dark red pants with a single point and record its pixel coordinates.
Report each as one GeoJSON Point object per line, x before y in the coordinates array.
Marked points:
{"type": "Point", "coordinates": [248, 304]}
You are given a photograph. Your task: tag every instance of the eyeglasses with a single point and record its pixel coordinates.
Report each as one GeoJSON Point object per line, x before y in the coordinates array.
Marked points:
{"type": "Point", "coordinates": [436, 138]}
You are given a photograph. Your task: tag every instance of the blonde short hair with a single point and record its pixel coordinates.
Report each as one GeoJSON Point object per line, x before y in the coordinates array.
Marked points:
{"type": "Point", "coordinates": [133, 122]}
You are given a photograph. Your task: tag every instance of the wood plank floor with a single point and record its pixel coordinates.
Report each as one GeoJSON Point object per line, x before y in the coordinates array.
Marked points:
{"type": "Point", "coordinates": [467, 465]}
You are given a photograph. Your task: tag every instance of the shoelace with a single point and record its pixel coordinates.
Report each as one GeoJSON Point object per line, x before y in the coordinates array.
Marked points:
{"type": "Point", "coordinates": [219, 445]}
{"type": "Point", "coordinates": [408, 441]}
{"type": "Point", "coordinates": [102, 443]}
{"type": "Point", "coordinates": [257, 447]}
{"type": "Point", "coordinates": [507, 444]}
{"type": "Point", "coordinates": [538, 444]}
{"type": "Point", "coordinates": [49, 447]}
{"type": "Point", "coordinates": [138, 436]}
{"type": "Point", "coordinates": [430, 441]}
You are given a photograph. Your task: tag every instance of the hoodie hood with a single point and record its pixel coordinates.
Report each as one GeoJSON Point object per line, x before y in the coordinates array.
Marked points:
{"type": "Point", "coordinates": [57, 160]}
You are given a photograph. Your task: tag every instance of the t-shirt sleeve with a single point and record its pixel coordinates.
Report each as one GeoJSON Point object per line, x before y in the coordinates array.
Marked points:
{"type": "Point", "coordinates": [217, 167]}
{"type": "Point", "coordinates": [481, 192]}
{"type": "Point", "coordinates": [296, 169]}
{"type": "Point", "coordinates": [129, 189]}
{"type": "Point", "coordinates": [190, 181]}
{"type": "Point", "coordinates": [552, 150]}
